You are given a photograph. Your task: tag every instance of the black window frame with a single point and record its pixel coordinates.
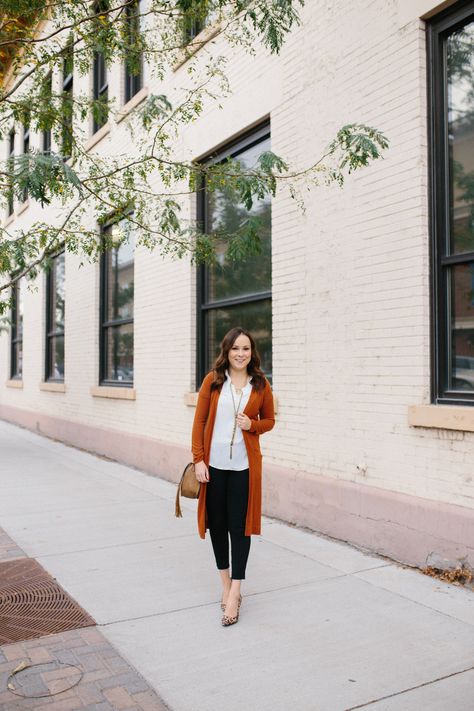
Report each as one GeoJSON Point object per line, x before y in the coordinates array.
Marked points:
{"type": "Point", "coordinates": [99, 68]}
{"type": "Point", "coordinates": [26, 149]}
{"type": "Point", "coordinates": [105, 324]}
{"type": "Point", "coordinates": [441, 261]}
{"type": "Point", "coordinates": [67, 95]}
{"type": "Point", "coordinates": [132, 82]}
{"type": "Point", "coordinates": [15, 339]}
{"type": "Point", "coordinates": [51, 330]}
{"type": "Point", "coordinates": [11, 168]}
{"type": "Point", "coordinates": [46, 136]}
{"type": "Point", "coordinates": [234, 147]}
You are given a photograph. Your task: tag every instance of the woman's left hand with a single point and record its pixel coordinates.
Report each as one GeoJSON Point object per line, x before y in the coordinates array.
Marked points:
{"type": "Point", "coordinates": [243, 421]}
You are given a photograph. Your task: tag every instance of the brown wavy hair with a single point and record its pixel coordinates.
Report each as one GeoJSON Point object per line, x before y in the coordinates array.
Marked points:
{"type": "Point", "coordinates": [221, 364]}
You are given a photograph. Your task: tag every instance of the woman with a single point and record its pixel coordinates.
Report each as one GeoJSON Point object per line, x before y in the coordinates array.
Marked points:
{"type": "Point", "coordinates": [235, 406]}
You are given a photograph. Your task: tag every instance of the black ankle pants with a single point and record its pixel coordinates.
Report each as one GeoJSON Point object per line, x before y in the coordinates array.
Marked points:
{"type": "Point", "coordinates": [226, 504]}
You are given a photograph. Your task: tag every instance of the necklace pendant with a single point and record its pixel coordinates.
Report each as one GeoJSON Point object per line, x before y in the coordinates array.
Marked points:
{"type": "Point", "coordinates": [230, 452]}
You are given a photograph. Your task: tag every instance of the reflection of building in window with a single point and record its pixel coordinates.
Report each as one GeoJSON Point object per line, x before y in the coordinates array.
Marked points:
{"type": "Point", "coordinates": [26, 150]}
{"type": "Point", "coordinates": [46, 135]}
{"type": "Point", "coordinates": [67, 102]}
{"type": "Point", "coordinates": [133, 61]}
{"type": "Point", "coordinates": [100, 85]}
{"type": "Point", "coordinates": [117, 283]}
{"type": "Point", "coordinates": [236, 293]}
{"type": "Point", "coordinates": [11, 168]}
{"type": "Point", "coordinates": [196, 21]}
{"type": "Point", "coordinates": [16, 360]}
{"type": "Point", "coordinates": [453, 153]}
{"type": "Point", "coordinates": [55, 310]}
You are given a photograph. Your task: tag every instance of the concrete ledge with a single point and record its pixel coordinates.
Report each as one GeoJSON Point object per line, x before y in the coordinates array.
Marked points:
{"type": "Point", "coordinates": [133, 103]}
{"type": "Point", "coordinates": [14, 383]}
{"type": "Point", "coordinates": [117, 393]}
{"type": "Point", "coordinates": [442, 416]}
{"type": "Point", "coordinates": [409, 529]}
{"type": "Point", "coordinates": [101, 133]}
{"type": "Point", "coordinates": [52, 387]}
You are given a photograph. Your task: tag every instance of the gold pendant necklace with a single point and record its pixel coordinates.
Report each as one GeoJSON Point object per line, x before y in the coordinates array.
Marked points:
{"type": "Point", "coordinates": [236, 409]}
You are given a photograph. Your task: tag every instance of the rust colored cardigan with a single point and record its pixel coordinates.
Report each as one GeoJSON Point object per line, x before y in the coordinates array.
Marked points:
{"type": "Point", "coordinates": [260, 410]}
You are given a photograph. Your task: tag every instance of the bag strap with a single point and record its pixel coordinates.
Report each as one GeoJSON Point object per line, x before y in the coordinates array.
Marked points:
{"type": "Point", "coordinates": [177, 508]}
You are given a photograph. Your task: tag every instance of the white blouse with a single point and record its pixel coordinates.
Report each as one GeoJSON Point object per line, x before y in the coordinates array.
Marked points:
{"type": "Point", "coordinates": [223, 426]}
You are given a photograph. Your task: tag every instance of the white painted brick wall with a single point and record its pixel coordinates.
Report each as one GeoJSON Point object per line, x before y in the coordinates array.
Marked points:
{"type": "Point", "coordinates": [350, 276]}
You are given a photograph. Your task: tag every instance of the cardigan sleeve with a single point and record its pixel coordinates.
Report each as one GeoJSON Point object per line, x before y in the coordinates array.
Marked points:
{"type": "Point", "coordinates": [267, 413]}
{"type": "Point", "coordinates": [200, 419]}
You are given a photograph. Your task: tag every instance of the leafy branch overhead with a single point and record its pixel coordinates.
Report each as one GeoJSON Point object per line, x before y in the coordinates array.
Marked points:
{"type": "Point", "coordinates": [150, 185]}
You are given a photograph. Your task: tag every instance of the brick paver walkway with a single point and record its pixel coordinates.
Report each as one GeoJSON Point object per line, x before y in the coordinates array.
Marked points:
{"type": "Point", "coordinates": [108, 682]}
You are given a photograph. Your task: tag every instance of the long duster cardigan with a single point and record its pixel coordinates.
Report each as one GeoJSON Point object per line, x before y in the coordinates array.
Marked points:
{"type": "Point", "coordinates": [260, 410]}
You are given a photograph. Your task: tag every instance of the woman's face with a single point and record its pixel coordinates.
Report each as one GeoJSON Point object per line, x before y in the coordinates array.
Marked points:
{"type": "Point", "coordinates": [240, 353]}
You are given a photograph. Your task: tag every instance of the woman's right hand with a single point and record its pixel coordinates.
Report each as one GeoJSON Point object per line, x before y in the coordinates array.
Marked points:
{"type": "Point", "coordinates": [202, 472]}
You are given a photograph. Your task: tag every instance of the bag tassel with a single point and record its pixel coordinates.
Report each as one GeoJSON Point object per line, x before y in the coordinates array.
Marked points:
{"type": "Point", "coordinates": [177, 510]}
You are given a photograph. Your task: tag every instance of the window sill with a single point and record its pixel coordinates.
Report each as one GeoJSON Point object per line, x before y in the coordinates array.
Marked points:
{"type": "Point", "coordinates": [8, 220]}
{"type": "Point", "coordinates": [196, 43]}
{"type": "Point", "coordinates": [14, 383]}
{"type": "Point", "coordinates": [190, 400]}
{"type": "Point", "coordinates": [132, 104]}
{"type": "Point", "coordinates": [53, 387]}
{"type": "Point", "coordinates": [98, 136]}
{"type": "Point", "coordinates": [23, 207]}
{"type": "Point", "coordinates": [442, 417]}
{"type": "Point", "coordinates": [113, 393]}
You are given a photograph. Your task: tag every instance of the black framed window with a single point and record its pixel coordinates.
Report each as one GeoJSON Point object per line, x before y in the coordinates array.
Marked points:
{"type": "Point", "coordinates": [55, 310]}
{"type": "Point", "coordinates": [26, 149]}
{"type": "Point", "coordinates": [46, 134]}
{"type": "Point", "coordinates": [235, 293]}
{"type": "Point", "coordinates": [11, 167]}
{"type": "Point", "coordinates": [100, 83]}
{"type": "Point", "coordinates": [116, 308]}
{"type": "Point", "coordinates": [16, 350]}
{"type": "Point", "coordinates": [67, 100]}
{"type": "Point", "coordinates": [451, 66]}
{"type": "Point", "coordinates": [196, 21]}
{"type": "Point", "coordinates": [133, 69]}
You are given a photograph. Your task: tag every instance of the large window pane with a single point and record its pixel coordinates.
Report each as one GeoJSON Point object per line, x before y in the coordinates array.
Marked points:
{"type": "Point", "coordinates": [119, 353]}
{"type": "Point", "coordinates": [462, 325]}
{"type": "Point", "coordinates": [460, 84]}
{"type": "Point", "coordinates": [55, 309]}
{"type": "Point", "coordinates": [255, 317]}
{"type": "Point", "coordinates": [56, 357]}
{"type": "Point", "coordinates": [117, 286]}
{"type": "Point", "coordinates": [237, 293]}
{"type": "Point", "coordinates": [120, 282]}
{"type": "Point", "coordinates": [16, 369]}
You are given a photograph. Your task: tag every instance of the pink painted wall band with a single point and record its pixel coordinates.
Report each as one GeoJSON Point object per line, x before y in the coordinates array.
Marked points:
{"type": "Point", "coordinates": [409, 529]}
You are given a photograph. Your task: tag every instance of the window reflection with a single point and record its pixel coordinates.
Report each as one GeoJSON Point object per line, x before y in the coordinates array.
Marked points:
{"type": "Point", "coordinates": [247, 282]}
{"type": "Point", "coordinates": [460, 76]}
{"type": "Point", "coordinates": [117, 307]}
{"type": "Point", "coordinates": [462, 319]}
{"type": "Point", "coordinates": [16, 369]}
{"type": "Point", "coordinates": [56, 300]}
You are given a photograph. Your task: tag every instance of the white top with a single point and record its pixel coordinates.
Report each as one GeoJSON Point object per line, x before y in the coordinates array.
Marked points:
{"type": "Point", "coordinates": [223, 426]}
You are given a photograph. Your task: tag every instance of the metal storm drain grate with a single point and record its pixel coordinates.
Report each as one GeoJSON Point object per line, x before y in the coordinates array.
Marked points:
{"type": "Point", "coordinates": [32, 604]}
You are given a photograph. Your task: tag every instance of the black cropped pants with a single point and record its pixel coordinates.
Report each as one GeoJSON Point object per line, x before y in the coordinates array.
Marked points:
{"type": "Point", "coordinates": [227, 494]}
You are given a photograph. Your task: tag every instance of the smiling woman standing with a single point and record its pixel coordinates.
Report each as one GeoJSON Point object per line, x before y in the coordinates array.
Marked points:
{"type": "Point", "coordinates": [235, 406]}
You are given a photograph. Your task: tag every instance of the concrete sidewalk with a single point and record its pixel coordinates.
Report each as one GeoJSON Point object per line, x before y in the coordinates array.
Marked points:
{"type": "Point", "coordinates": [323, 626]}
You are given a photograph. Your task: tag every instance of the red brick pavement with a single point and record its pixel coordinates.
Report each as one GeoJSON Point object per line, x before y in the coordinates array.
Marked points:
{"type": "Point", "coordinates": [108, 682]}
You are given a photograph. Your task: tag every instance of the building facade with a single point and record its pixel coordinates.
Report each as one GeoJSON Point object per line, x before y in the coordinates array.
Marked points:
{"type": "Point", "coordinates": [362, 305]}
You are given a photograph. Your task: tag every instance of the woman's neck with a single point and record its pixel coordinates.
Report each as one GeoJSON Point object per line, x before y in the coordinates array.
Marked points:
{"type": "Point", "coordinates": [238, 377]}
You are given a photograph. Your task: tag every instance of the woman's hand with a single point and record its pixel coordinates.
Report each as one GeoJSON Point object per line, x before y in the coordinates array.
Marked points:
{"type": "Point", "coordinates": [202, 472]}
{"type": "Point", "coordinates": [243, 421]}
